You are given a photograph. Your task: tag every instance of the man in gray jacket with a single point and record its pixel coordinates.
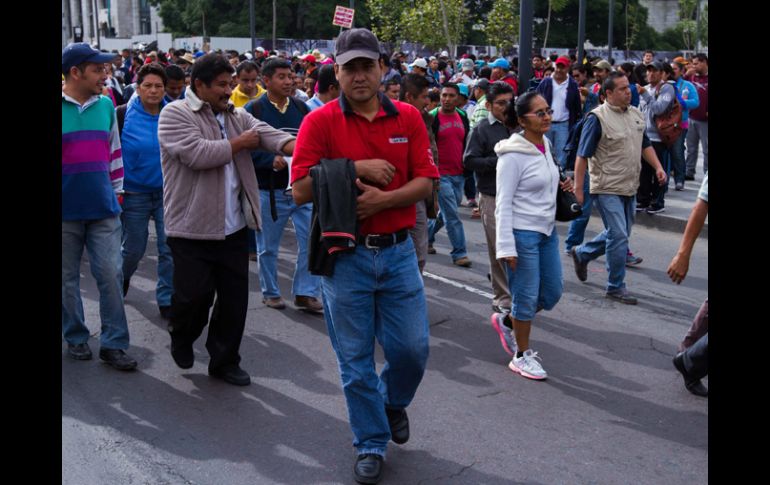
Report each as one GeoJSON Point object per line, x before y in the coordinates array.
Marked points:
{"type": "Point", "coordinates": [209, 195]}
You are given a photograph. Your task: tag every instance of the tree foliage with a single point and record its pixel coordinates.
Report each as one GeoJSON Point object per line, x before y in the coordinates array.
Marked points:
{"type": "Point", "coordinates": [423, 23]}
{"type": "Point", "coordinates": [502, 25]}
{"type": "Point", "coordinates": [230, 18]}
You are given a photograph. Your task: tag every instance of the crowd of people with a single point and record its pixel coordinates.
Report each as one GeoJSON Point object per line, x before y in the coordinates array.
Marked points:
{"type": "Point", "coordinates": [369, 155]}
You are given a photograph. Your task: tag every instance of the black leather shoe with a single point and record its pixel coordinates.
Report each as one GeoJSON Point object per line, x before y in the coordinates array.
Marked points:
{"type": "Point", "coordinates": [117, 359]}
{"type": "Point", "coordinates": [368, 468]}
{"type": "Point", "coordinates": [165, 312]}
{"type": "Point", "coordinates": [581, 269]}
{"type": "Point", "coordinates": [695, 386]}
{"type": "Point", "coordinates": [182, 353]}
{"type": "Point", "coordinates": [79, 351]}
{"type": "Point", "coordinates": [399, 425]}
{"type": "Point", "coordinates": [231, 374]}
{"type": "Point", "coordinates": [126, 284]}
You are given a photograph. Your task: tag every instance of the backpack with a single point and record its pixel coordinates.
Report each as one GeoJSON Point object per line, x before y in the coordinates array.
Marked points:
{"type": "Point", "coordinates": [255, 109]}
{"type": "Point", "coordinates": [669, 124]}
{"type": "Point", "coordinates": [573, 141]}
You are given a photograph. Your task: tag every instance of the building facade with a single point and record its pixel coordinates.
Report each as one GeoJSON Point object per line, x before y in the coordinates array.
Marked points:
{"type": "Point", "coordinates": [112, 18]}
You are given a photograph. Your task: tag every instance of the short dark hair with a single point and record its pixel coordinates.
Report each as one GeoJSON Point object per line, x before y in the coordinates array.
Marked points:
{"type": "Point", "coordinates": [640, 73]}
{"type": "Point", "coordinates": [208, 67]}
{"type": "Point", "coordinates": [413, 84]}
{"type": "Point", "coordinates": [434, 96]}
{"type": "Point", "coordinates": [649, 51]}
{"type": "Point", "coordinates": [497, 89]}
{"type": "Point", "coordinates": [272, 65]}
{"type": "Point", "coordinates": [701, 57]}
{"type": "Point", "coordinates": [385, 59]}
{"type": "Point", "coordinates": [391, 82]}
{"type": "Point", "coordinates": [538, 56]}
{"type": "Point", "coordinates": [522, 106]}
{"type": "Point", "coordinates": [580, 68]}
{"type": "Point", "coordinates": [245, 66]}
{"type": "Point", "coordinates": [326, 79]}
{"type": "Point", "coordinates": [174, 73]}
{"type": "Point", "coordinates": [485, 72]}
{"type": "Point", "coordinates": [151, 68]}
{"type": "Point", "coordinates": [609, 83]}
{"type": "Point", "coordinates": [451, 86]}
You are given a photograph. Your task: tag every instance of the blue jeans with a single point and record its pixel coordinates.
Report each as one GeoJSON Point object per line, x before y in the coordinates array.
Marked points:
{"type": "Point", "coordinates": [138, 208]}
{"type": "Point", "coordinates": [558, 136]}
{"type": "Point", "coordinates": [449, 198]}
{"type": "Point", "coordinates": [537, 280]}
{"type": "Point", "coordinates": [102, 240]}
{"type": "Point", "coordinates": [377, 293]}
{"type": "Point", "coordinates": [269, 242]}
{"type": "Point", "coordinates": [678, 162]}
{"type": "Point", "coordinates": [617, 213]}
{"type": "Point", "coordinates": [577, 228]}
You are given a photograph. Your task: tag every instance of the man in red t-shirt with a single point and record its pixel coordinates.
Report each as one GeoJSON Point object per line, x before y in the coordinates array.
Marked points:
{"type": "Point", "coordinates": [376, 290]}
{"type": "Point", "coordinates": [451, 128]}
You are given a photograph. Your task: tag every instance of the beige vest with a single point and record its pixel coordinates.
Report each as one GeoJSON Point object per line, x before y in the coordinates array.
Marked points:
{"type": "Point", "coordinates": [614, 168]}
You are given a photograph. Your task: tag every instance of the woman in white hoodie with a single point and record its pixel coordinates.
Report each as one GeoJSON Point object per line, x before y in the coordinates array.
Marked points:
{"type": "Point", "coordinates": [527, 181]}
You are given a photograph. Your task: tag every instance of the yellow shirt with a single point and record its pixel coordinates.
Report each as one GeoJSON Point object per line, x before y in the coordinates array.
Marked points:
{"type": "Point", "coordinates": [239, 99]}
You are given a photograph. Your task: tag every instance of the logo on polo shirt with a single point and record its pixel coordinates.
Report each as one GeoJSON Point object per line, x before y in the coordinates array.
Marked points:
{"type": "Point", "coordinates": [399, 139]}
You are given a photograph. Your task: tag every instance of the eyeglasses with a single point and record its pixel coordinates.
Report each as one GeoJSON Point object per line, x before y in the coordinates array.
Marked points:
{"type": "Point", "coordinates": [541, 114]}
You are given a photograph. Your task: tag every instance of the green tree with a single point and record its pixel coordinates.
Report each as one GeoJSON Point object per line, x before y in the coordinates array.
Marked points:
{"type": "Point", "coordinates": [502, 27]}
{"type": "Point", "coordinates": [424, 23]}
{"type": "Point", "coordinates": [386, 19]}
{"type": "Point", "coordinates": [311, 19]}
{"type": "Point", "coordinates": [556, 6]}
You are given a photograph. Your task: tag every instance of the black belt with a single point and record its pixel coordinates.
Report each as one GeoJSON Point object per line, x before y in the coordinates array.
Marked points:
{"type": "Point", "coordinates": [378, 241]}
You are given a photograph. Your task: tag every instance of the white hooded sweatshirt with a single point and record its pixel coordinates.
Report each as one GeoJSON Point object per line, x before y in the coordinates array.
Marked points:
{"type": "Point", "coordinates": [527, 182]}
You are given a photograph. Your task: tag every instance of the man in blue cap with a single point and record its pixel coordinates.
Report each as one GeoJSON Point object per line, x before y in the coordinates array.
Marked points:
{"type": "Point", "coordinates": [501, 72]}
{"type": "Point", "coordinates": [92, 188]}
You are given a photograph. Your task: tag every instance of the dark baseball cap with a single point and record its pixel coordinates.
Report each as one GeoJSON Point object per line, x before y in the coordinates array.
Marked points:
{"type": "Point", "coordinates": [80, 52]}
{"type": "Point", "coordinates": [355, 43]}
{"type": "Point", "coordinates": [657, 66]}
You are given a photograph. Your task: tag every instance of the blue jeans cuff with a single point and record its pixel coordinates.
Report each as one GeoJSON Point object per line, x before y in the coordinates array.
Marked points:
{"type": "Point", "coordinates": [371, 451]}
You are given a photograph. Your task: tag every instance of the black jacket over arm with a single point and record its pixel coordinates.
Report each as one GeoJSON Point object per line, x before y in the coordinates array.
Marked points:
{"type": "Point", "coordinates": [334, 225]}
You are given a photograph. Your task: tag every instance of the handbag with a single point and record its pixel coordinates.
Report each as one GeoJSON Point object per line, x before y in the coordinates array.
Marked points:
{"type": "Point", "coordinates": [567, 207]}
{"type": "Point", "coordinates": [669, 124]}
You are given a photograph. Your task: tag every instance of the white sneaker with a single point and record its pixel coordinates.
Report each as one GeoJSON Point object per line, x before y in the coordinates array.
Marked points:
{"type": "Point", "coordinates": [527, 366]}
{"type": "Point", "coordinates": [507, 337]}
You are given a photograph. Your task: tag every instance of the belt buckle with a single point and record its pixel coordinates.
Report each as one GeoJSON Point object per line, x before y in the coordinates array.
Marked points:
{"type": "Point", "coordinates": [366, 241]}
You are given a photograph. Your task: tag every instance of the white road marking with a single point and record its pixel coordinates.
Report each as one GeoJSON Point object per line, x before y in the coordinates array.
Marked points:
{"type": "Point", "coordinates": [457, 284]}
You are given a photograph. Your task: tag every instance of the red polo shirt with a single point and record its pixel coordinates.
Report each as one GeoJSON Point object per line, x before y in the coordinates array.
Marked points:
{"type": "Point", "coordinates": [396, 134]}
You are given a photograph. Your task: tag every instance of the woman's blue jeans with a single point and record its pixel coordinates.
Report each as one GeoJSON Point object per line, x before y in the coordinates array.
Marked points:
{"type": "Point", "coordinates": [537, 280]}
{"type": "Point", "coordinates": [138, 209]}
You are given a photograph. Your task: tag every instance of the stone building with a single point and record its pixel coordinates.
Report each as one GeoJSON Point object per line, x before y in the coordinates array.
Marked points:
{"type": "Point", "coordinates": [114, 18]}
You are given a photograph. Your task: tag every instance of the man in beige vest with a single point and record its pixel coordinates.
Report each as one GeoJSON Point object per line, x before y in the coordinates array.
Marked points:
{"type": "Point", "coordinates": [612, 141]}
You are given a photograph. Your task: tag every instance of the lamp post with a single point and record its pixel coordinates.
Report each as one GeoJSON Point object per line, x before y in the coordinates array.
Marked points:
{"type": "Point", "coordinates": [609, 33]}
{"type": "Point", "coordinates": [581, 30]}
{"type": "Point", "coordinates": [525, 44]}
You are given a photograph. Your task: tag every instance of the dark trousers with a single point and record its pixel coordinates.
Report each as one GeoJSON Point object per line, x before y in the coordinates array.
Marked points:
{"type": "Point", "coordinates": [650, 192]}
{"type": "Point", "coordinates": [696, 358]}
{"type": "Point", "coordinates": [699, 327]}
{"type": "Point", "coordinates": [203, 269]}
{"type": "Point", "coordinates": [470, 184]}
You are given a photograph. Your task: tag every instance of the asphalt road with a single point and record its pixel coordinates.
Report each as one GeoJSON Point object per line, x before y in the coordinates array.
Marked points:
{"type": "Point", "coordinates": [613, 409]}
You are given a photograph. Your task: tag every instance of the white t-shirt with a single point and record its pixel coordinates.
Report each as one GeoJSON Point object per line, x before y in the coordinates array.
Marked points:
{"type": "Point", "coordinates": [559, 101]}
{"type": "Point", "coordinates": [234, 220]}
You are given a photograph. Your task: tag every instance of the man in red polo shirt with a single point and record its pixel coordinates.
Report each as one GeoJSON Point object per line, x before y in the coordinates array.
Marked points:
{"type": "Point", "coordinates": [376, 290]}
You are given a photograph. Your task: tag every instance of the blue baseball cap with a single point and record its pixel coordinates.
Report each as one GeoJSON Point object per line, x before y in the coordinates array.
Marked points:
{"type": "Point", "coordinates": [199, 54]}
{"type": "Point", "coordinates": [463, 89]}
{"type": "Point", "coordinates": [80, 52]}
{"type": "Point", "coordinates": [502, 63]}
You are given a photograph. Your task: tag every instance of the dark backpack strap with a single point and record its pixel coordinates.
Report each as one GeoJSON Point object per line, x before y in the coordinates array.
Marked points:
{"type": "Point", "coordinates": [301, 106]}
{"type": "Point", "coordinates": [120, 111]}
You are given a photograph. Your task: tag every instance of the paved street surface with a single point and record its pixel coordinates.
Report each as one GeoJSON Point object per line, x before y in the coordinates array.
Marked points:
{"type": "Point", "coordinates": [613, 410]}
